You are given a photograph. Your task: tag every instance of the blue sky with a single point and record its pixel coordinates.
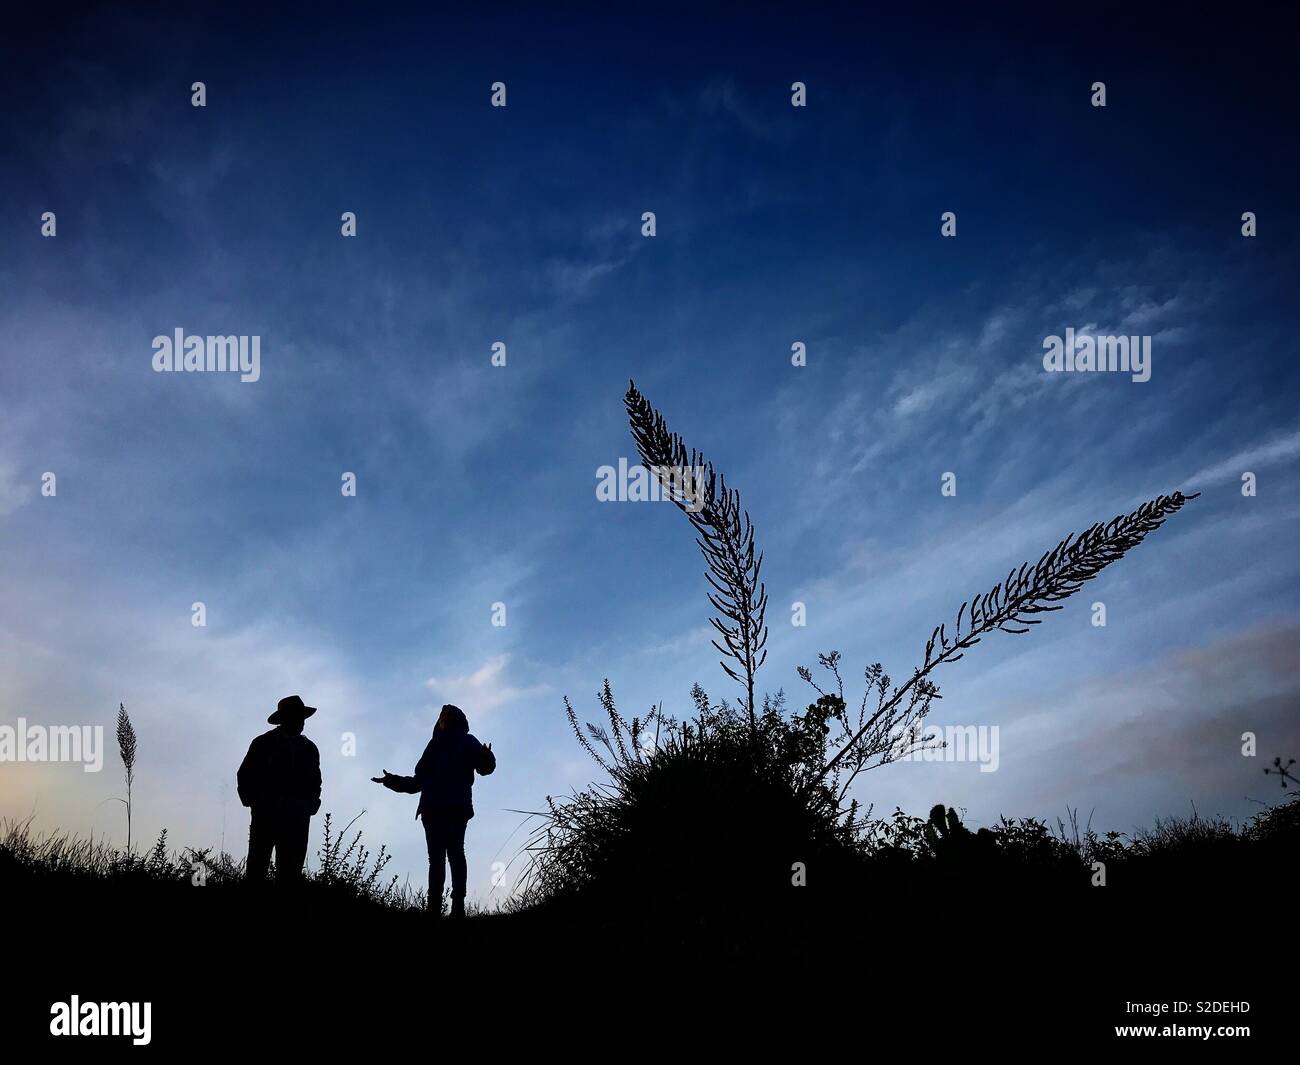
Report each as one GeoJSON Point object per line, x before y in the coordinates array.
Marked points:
{"type": "Point", "coordinates": [476, 483]}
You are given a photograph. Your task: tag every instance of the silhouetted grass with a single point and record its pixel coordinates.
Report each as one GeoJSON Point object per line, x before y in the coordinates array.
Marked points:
{"type": "Point", "coordinates": [56, 861]}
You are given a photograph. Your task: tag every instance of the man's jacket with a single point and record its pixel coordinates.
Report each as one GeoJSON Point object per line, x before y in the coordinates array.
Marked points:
{"type": "Point", "coordinates": [444, 775]}
{"type": "Point", "coordinates": [281, 774]}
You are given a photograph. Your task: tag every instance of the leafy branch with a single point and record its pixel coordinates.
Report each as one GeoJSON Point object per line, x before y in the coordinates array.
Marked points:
{"type": "Point", "coordinates": [1012, 604]}
{"type": "Point", "coordinates": [725, 537]}
{"type": "Point", "coordinates": [876, 734]}
{"type": "Point", "coordinates": [1284, 772]}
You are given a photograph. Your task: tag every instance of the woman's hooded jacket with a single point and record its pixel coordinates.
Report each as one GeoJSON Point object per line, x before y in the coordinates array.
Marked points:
{"type": "Point", "coordinates": [444, 775]}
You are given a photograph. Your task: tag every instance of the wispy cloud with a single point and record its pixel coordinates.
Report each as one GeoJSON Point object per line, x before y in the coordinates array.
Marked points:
{"type": "Point", "coordinates": [13, 493]}
{"type": "Point", "coordinates": [1230, 469]}
{"type": "Point", "coordinates": [485, 689]}
{"type": "Point", "coordinates": [724, 97]}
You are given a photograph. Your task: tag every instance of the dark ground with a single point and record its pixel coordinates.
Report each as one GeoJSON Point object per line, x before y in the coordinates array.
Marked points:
{"type": "Point", "coordinates": [229, 971]}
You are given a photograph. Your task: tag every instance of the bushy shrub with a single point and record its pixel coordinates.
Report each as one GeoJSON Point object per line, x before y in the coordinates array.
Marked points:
{"type": "Point", "coordinates": [711, 812]}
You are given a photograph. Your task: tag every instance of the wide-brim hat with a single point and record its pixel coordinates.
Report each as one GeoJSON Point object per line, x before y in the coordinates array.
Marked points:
{"type": "Point", "coordinates": [290, 708]}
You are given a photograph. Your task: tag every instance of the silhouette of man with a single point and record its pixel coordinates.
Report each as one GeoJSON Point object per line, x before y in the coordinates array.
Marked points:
{"type": "Point", "coordinates": [279, 780]}
{"type": "Point", "coordinates": [444, 777]}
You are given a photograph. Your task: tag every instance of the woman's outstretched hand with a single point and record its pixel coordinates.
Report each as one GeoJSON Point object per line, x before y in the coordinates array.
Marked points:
{"type": "Point", "coordinates": [384, 779]}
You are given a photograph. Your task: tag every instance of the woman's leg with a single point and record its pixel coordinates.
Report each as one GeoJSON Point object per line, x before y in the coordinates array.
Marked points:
{"type": "Point", "coordinates": [435, 840]}
{"type": "Point", "coordinates": [456, 856]}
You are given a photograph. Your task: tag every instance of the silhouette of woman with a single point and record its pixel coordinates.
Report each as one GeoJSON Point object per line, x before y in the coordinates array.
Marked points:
{"type": "Point", "coordinates": [444, 777]}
